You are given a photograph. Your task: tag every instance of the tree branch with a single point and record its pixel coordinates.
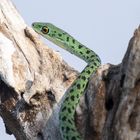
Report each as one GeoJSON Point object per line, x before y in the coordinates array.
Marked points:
{"type": "Point", "coordinates": [33, 79]}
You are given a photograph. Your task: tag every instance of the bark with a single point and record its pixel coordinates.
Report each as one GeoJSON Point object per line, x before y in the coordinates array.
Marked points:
{"type": "Point", "coordinates": [34, 78]}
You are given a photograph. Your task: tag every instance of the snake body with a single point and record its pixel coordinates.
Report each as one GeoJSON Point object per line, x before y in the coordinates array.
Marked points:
{"type": "Point", "coordinates": [67, 42]}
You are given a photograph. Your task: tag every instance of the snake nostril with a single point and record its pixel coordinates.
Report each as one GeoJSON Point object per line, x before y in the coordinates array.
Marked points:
{"type": "Point", "coordinates": [33, 24]}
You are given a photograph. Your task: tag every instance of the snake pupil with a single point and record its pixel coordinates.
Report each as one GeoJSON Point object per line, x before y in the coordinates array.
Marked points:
{"type": "Point", "coordinates": [45, 30]}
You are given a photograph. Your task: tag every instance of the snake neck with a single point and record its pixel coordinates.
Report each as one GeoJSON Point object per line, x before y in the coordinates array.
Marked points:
{"type": "Point", "coordinates": [67, 42]}
{"type": "Point", "coordinates": [67, 112]}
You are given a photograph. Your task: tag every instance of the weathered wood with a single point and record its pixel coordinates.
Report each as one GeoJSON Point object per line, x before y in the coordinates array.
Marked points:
{"type": "Point", "coordinates": [112, 102]}
{"type": "Point", "coordinates": [33, 79]}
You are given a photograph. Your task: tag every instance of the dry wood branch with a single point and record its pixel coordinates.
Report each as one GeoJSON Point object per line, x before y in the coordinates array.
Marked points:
{"type": "Point", "coordinates": [112, 102]}
{"type": "Point", "coordinates": [33, 79]}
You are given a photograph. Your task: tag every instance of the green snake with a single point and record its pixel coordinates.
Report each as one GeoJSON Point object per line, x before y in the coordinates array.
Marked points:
{"type": "Point", "coordinates": [64, 40]}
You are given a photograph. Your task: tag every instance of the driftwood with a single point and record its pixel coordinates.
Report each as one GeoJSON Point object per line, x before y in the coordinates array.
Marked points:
{"type": "Point", "coordinates": [33, 79]}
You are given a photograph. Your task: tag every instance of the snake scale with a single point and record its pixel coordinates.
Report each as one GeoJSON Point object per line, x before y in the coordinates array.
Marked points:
{"type": "Point", "coordinates": [67, 42]}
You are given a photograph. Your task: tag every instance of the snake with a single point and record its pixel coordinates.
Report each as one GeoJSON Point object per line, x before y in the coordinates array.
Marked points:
{"type": "Point", "coordinates": [64, 40]}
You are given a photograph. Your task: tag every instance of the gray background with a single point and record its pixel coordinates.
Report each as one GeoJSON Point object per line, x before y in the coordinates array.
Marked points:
{"type": "Point", "coordinates": [104, 26]}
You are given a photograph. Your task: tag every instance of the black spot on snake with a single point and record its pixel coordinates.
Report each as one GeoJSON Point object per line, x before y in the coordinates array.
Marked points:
{"type": "Point", "coordinates": [72, 97]}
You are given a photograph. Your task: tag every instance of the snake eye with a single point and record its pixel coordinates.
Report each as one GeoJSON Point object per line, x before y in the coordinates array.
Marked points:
{"type": "Point", "coordinates": [45, 30]}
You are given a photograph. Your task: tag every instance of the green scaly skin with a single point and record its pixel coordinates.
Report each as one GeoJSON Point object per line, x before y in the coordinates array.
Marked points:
{"type": "Point", "coordinates": [67, 42]}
